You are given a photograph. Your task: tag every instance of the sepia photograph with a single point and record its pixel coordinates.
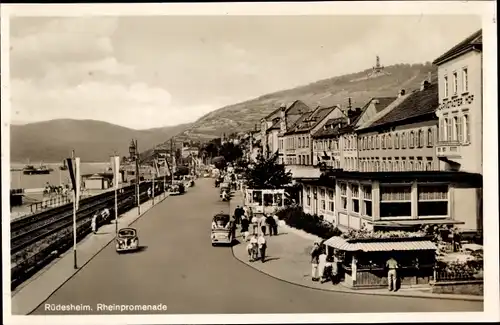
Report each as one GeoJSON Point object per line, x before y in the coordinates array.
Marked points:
{"type": "Point", "coordinates": [235, 163]}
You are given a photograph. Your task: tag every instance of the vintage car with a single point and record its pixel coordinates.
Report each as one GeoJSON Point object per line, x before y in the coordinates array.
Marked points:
{"type": "Point", "coordinates": [127, 240]}
{"type": "Point", "coordinates": [177, 188]}
{"type": "Point", "coordinates": [223, 229]}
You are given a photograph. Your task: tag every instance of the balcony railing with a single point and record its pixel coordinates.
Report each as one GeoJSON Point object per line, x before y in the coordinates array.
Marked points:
{"type": "Point", "coordinates": [450, 149]}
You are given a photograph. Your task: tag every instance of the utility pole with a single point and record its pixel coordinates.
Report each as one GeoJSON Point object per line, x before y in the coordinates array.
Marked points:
{"type": "Point", "coordinates": [172, 153]}
{"type": "Point", "coordinates": [137, 178]}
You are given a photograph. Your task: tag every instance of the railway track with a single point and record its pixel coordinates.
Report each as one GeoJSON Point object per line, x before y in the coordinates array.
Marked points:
{"type": "Point", "coordinates": [37, 229]}
{"type": "Point", "coordinates": [33, 248]}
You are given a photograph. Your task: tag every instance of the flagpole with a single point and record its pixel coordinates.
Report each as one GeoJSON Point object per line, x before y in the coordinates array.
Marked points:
{"type": "Point", "coordinates": [153, 189]}
{"type": "Point", "coordinates": [75, 207]}
{"type": "Point", "coordinates": [116, 173]}
{"type": "Point", "coordinates": [138, 178]}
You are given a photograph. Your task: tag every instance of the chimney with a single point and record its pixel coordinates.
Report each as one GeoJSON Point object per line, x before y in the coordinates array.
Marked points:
{"type": "Point", "coordinates": [402, 92]}
{"type": "Point", "coordinates": [283, 119]}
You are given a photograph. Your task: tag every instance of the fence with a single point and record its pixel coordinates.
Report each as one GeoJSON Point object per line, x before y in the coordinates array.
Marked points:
{"type": "Point", "coordinates": [445, 276]}
{"type": "Point", "coordinates": [50, 203]}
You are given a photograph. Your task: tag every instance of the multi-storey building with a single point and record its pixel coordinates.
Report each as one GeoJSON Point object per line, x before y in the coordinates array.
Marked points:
{"type": "Point", "coordinates": [326, 144]}
{"type": "Point", "coordinates": [273, 124]}
{"type": "Point", "coordinates": [402, 136]}
{"type": "Point", "coordinates": [460, 106]}
{"type": "Point", "coordinates": [411, 187]}
{"type": "Point", "coordinates": [297, 142]}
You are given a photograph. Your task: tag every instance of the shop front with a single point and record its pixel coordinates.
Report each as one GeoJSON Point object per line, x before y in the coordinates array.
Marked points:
{"type": "Point", "coordinates": [363, 261]}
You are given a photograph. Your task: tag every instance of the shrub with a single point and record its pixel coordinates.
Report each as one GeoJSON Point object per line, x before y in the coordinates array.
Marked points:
{"type": "Point", "coordinates": [313, 224]}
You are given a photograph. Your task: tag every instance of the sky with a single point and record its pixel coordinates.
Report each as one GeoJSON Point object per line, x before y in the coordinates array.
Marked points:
{"type": "Point", "coordinates": [155, 71]}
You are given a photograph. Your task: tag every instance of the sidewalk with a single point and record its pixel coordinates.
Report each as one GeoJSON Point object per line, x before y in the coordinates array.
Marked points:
{"type": "Point", "coordinates": [288, 260]}
{"type": "Point", "coordinates": [35, 290]}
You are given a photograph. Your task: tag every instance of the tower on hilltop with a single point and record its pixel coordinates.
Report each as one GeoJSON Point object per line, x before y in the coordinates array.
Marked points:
{"type": "Point", "coordinates": [378, 69]}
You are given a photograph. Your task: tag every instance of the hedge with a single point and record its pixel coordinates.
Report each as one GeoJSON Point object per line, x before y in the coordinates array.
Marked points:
{"type": "Point", "coordinates": [313, 224]}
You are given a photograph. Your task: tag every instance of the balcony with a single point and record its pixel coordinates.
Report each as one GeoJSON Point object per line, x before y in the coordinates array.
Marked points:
{"type": "Point", "coordinates": [448, 149]}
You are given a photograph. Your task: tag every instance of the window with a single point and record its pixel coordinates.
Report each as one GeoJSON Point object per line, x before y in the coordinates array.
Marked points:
{"type": "Point", "coordinates": [410, 166]}
{"type": "Point", "coordinates": [331, 200]}
{"type": "Point", "coordinates": [369, 143]}
{"type": "Point", "coordinates": [418, 164]}
{"type": "Point", "coordinates": [389, 141]}
{"type": "Point", "coordinates": [355, 198]}
{"type": "Point", "coordinates": [420, 139]}
{"type": "Point", "coordinates": [465, 80]}
{"type": "Point", "coordinates": [455, 83]}
{"type": "Point", "coordinates": [445, 86]}
{"type": "Point", "coordinates": [403, 165]}
{"type": "Point", "coordinates": [322, 199]}
{"type": "Point", "coordinates": [343, 196]}
{"type": "Point", "coordinates": [455, 128]}
{"type": "Point", "coordinates": [442, 129]}
{"type": "Point", "coordinates": [389, 166]}
{"type": "Point", "coordinates": [395, 201]}
{"type": "Point", "coordinates": [403, 140]}
{"type": "Point", "coordinates": [396, 141]}
{"type": "Point", "coordinates": [433, 200]}
{"type": "Point", "coordinates": [367, 200]}
{"type": "Point", "coordinates": [383, 141]}
{"type": "Point", "coordinates": [449, 129]}
{"type": "Point", "coordinates": [430, 137]}
{"type": "Point", "coordinates": [377, 166]}
{"type": "Point", "coordinates": [382, 167]}
{"type": "Point", "coordinates": [307, 160]}
{"type": "Point", "coordinates": [428, 164]}
{"type": "Point", "coordinates": [466, 129]}
{"type": "Point", "coordinates": [396, 165]}
{"type": "Point", "coordinates": [377, 142]}
{"type": "Point", "coordinates": [460, 130]}
{"type": "Point", "coordinates": [412, 140]}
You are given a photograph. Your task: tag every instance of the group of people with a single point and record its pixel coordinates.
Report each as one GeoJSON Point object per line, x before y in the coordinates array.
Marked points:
{"type": "Point", "coordinates": [260, 226]}
{"type": "Point", "coordinates": [325, 267]}
{"type": "Point", "coordinates": [265, 224]}
{"type": "Point", "coordinates": [100, 218]}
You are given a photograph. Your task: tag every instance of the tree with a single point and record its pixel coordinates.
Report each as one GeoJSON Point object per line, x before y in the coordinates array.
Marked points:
{"type": "Point", "coordinates": [267, 174]}
{"type": "Point", "coordinates": [231, 152]}
{"type": "Point", "coordinates": [219, 162]}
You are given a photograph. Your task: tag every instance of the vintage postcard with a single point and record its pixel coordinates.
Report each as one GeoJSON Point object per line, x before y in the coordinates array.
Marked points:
{"type": "Point", "coordinates": [249, 163]}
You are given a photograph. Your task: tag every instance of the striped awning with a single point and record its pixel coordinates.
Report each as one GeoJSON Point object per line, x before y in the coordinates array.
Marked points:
{"type": "Point", "coordinates": [382, 246]}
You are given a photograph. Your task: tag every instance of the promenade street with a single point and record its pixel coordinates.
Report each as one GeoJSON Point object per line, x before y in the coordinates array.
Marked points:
{"type": "Point", "coordinates": [179, 268]}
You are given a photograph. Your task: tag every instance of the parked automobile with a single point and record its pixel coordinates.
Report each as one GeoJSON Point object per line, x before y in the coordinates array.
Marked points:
{"type": "Point", "coordinates": [177, 188]}
{"type": "Point", "coordinates": [127, 240]}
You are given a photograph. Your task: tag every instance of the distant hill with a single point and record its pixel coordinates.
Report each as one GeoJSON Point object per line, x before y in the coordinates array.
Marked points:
{"type": "Point", "coordinates": [328, 92]}
{"type": "Point", "coordinates": [93, 141]}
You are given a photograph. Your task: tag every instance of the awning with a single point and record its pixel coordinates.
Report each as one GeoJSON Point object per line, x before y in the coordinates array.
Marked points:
{"type": "Point", "coordinates": [382, 246]}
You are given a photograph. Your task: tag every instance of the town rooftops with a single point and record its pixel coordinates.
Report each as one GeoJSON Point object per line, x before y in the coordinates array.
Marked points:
{"type": "Point", "coordinates": [417, 104]}
{"type": "Point", "coordinates": [473, 42]}
{"type": "Point", "coordinates": [276, 112]}
{"type": "Point", "coordinates": [331, 128]}
{"type": "Point", "coordinates": [310, 120]}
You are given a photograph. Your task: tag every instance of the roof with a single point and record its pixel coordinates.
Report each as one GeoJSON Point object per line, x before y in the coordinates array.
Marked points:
{"type": "Point", "coordinates": [332, 127]}
{"type": "Point", "coordinates": [474, 41]}
{"type": "Point", "coordinates": [418, 103]}
{"type": "Point", "coordinates": [383, 245]}
{"type": "Point", "coordinates": [310, 120]}
{"type": "Point", "coordinates": [287, 106]}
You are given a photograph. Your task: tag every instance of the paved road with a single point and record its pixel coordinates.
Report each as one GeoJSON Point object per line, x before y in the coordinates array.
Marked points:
{"type": "Point", "coordinates": [179, 268]}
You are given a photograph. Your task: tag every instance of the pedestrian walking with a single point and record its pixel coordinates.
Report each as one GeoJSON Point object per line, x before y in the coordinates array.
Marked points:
{"type": "Point", "coordinates": [250, 249]}
{"type": "Point", "coordinates": [254, 242]}
{"type": "Point", "coordinates": [93, 223]}
{"type": "Point", "coordinates": [315, 252]}
{"type": "Point", "coordinates": [263, 224]}
{"type": "Point", "coordinates": [245, 223]}
{"type": "Point", "coordinates": [262, 247]}
{"type": "Point", "coordinates": [321, 264]}
{"type": "Point", "coordinates": [149, 192]}
{"type": "Point", "coordinates": [255, 225]}
{"type": "Point", "coordinates": [275, 224]}
{"type": "Point", "coordinates": [392, 275]}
